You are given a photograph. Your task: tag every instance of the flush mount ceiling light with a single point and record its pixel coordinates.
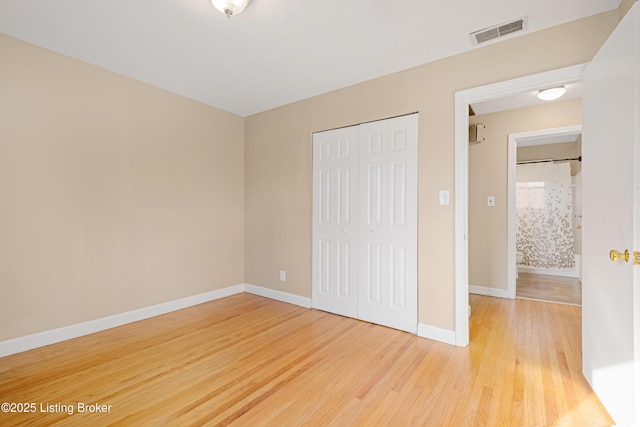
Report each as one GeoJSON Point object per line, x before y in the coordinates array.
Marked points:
{"type": "Point", "coordinates": [230, 7]}
{"type": "Point", "coordinates": [551, 93]}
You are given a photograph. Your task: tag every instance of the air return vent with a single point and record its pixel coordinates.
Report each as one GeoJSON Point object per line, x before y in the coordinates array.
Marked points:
{"type": "Point", "coordinates": [498, 31]}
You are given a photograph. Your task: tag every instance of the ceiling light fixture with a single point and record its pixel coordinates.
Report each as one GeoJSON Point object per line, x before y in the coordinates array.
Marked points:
{"type": "Point", "coordinates": [551, 93]}
{"type": "Point", "coordinates": [230, 7]}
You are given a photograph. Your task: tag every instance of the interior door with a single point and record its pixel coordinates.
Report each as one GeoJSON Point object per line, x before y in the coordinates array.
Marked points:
{"type": "Point", "coordinates": [611, 96]}
{"type": "Point", "coordinates": [388, 291]}
{"type": "Point", "coordinates": [335, 221]}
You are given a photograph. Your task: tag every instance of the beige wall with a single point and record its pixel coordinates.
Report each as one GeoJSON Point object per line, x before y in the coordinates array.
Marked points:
{"type": "Point", "coordinates": [624, 7]}
{"type": "Point", "coordinates": [488, 177]}
{"type": "Point", "coordinates": [114, 195]}
{"type": "Point", "coordinates": [278, 155]}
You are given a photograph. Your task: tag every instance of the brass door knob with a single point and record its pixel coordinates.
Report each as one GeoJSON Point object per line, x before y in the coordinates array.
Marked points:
{"type": "Point", "coordinates": [578, 227]}
{"type": "Point", "coordinates": [616, 255]}
{"type": "Point", "coordinates": [636, 258]}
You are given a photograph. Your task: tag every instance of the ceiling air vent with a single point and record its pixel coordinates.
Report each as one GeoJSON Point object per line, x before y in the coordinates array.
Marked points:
{"type": "Point", "coordinates": [498, 31]}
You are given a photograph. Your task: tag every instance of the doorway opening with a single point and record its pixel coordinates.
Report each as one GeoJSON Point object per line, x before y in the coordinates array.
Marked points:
{"type": "Point", "coordinates": [543, 271]}
{"type": "Point", "coordinates": [463, 100]}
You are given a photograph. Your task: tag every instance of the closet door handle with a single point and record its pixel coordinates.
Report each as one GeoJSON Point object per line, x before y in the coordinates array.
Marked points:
{"type": "Point", "coordinates": [373, 232]}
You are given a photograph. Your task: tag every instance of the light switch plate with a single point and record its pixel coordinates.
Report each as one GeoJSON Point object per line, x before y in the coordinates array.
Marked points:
{"type": "Point", "coordinates": [443, 197]}
{"type": "Point", "coordinates": [491, 200]}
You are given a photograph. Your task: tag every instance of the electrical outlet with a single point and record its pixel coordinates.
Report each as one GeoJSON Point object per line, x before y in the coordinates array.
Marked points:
{"type": "Point", "coordinates": [283, 276]}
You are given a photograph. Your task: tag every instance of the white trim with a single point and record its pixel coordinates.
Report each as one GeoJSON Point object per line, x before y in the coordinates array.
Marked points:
{"type": "Point", "coordinates": [40, 339]}
{"type": "Point", "coordinates": [462, 101]}
{"type": "Point", "coordinates": [546, 272]}
{"type": "Point", "coordinates": [437, 334]}
{"type": "Point", "coordinates": [490, 292]}
{"type": "Point", "coordinates": [461, 220]}
{"type": "Point", "coordinates": [278, 295]}
{"type": "Point", "coordinates": [540, 137]}
{"type": "Point", "coordinates": [533, 137]}
{"type": "Point", "coordinates": [512, 269]}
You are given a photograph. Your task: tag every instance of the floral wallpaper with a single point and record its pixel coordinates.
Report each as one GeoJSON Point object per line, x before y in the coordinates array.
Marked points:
{"type": "Point", "coordinates": [543, 215]}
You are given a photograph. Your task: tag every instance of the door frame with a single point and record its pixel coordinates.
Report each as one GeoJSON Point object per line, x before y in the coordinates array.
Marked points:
{"type": "Point", "coordinates": [517, 140]}
{"type": "Point", "coordinates": [462, 100]}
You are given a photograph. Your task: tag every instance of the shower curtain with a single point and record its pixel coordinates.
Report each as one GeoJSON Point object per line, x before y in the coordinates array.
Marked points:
{"type": "Point", "coordinates": [543, 215]}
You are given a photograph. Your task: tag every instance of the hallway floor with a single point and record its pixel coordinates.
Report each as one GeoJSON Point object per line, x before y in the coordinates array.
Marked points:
{"type": "Point", "coordinates": [540, 287]}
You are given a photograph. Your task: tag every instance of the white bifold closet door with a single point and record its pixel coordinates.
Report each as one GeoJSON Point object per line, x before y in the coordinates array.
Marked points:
{"type": "Point", "coordinates": [335, 221]}
{"type": "Point", "coordinates": [365, 222]}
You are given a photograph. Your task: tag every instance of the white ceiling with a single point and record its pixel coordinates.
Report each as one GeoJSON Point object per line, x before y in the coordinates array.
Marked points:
{"type": "Point", "coordinates": [277, 51]}
{"type": "Point", "coordinates": [525, 99]}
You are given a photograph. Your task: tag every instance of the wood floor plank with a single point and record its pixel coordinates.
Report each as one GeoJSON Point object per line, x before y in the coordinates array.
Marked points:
{"type": "Point", "coordinates": [246, 360]}
{"type": "Point", "coordinates": [543, 287]}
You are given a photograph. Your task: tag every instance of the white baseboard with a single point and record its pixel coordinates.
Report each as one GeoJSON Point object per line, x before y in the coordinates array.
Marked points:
{"type": "Point", "coordinates": [437, 334]}
{"type": "Point", "coordinates": [40, 339]}
{"type": "Point", "coordinates": [560, 273]}
{"type": "Point", "coordinates": [278, 295]}
{"type": "Point", "coordinates": [424, 331]}
{"type": "Point", "coordinates": [575, 272]}
{"type": "Point", "coordinates": [490, 292]}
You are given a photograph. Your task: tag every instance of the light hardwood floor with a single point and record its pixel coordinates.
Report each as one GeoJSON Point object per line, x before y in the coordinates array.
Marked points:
{"type": "Point", "coordinates": [563, 290]}
{"type": "Point", "coordinates": [251, 361]}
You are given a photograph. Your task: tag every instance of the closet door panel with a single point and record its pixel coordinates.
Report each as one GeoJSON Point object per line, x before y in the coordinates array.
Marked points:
{"type": "Point", "coordinates": [388, 221]}
{"type": "Point", "coordinates": [398, 277]}
{"type": "Point", "coordinates": [324, 268]}
{"type": "Point", "coordinates": [335, 221]}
